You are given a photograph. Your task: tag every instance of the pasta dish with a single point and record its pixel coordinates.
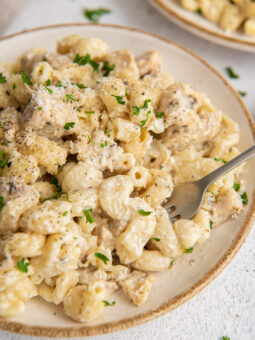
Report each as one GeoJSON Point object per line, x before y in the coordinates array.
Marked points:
{"type": "Point", "coordinates": [92, 143]}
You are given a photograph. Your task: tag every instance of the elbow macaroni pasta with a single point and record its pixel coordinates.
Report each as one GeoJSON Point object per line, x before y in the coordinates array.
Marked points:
{"type": "Point", "coordinates": [91, 144]}
{"type": "Point", "coordinates": [229, 15]}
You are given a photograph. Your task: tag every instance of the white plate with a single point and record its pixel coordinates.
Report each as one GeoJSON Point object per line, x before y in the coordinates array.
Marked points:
{"type": "Point", "coordinates": [202, 27]}
{"type": "Point", "coordinates": [183, 281]}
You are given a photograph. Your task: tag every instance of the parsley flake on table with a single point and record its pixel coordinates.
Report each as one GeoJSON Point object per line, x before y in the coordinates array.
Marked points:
{"type": "Point", "coordinates": [242, 93]}
{"type": "Point", "coordinates": [71, 97]}
{"type": "Point", "coordinates": [65, 213]}
{"type": "Point", "coordinates": [89, 218]}
{"type": "Point", "coordinates": [25, 78]}
{"type": "Point", "coordinates": [220, 160]}
{"type": "Point", "coordinates": [244, 198]}
{"type": "Point", "coordinates": [144, 213]}
{"type": "Point", "coordinates": [119, 99]}
{"type": "Point", "coordinates": [2, 78]}
{"type": "Point", "coordinates": [69, 125]}
{"type": "Point", "coordinates": [156, 239]}
{"type": "Point", "coordinates": [1, 202]}
{"type": "Point", "coordinates": [59, 84]}
{"type": "Point", "coordinates": [102, 257]}
{"type": "Point", "coordinates": [81, 60]}
{"type": "Point", "coordinates": [188, 250]}
{"type": "Point", "coordinates": [14, 86]}
{"type": "Point", "coordinates": [160, 114]}
{"type": "Point", "coordinates": [107, 68]}
{"type": "Point", "coordinates": [107, 303]}
{"type": "Point", "coordinates": [95, 14]}
{"type": "Point", "coordinates": [49, 90]}
{"type": "Point", "coordinates": [231, 73]}
{"type": "Point", "coordinates": [22, 265]}
{"type": "Point", "coordinates": [3, 160]}
{"type": "Point", "coordinates": [236, 186]}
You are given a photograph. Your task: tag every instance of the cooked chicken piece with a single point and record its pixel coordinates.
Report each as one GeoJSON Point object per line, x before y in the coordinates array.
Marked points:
{"type": "Point", "coordinates": [138, 286]}
{"type": "Point", "coordinates": [123, 60]}
{"type": "Point", "coordinates": [149, 63]}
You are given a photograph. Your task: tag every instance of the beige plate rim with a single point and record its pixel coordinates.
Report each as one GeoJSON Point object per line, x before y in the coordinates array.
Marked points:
{"type": "Point", "coordinates": [223, 37]}
{"type": "Point", "coordinates": [173, 303]}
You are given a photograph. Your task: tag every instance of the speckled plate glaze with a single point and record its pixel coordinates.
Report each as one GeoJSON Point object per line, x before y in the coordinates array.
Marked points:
{"type": "Point", "coordinates": [185, 280]}
{"type": "Point", "coordinates": [202, 27]}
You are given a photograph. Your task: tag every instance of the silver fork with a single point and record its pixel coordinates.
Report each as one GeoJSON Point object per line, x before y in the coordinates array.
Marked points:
{"type": "Point", "coordinates": [187, 198]}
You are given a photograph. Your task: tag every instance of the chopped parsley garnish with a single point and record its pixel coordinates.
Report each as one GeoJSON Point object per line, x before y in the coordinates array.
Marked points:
{"type": "Point", "coordinates": [14, 86]}
{"type": "Point", "coordinates": [236, 186]}
{"type": "Point", "coordinates": [22, 265]}
{"type": "Point", "coordinates": [160, 114]}
{"type": "Point", "coordinates": [81, 86]}
{"type": "Point", "coordinates": [119, 99]}
{"type": "Point", "coordinates": [48, 82]}
{"type": "Point", "coordinates": [136, 110]}
{"type": "Point", "coordinates": [1, 124]}
{"type": "Point", "coordinates": [67, 198]}
{"type": "Point", "coordinates": [59, 84]}
{"type": "Point", "coordinates": [189, 250]}
{"type": "Point", "coordinates": [44, 59]}
{"type": "Point", "coordinates": [90, 139]}
{"type": "Point", "coordinates": [171, 263]}
{"type": "Point", "coordinates": [145, 104]}
{"type": "Point", "coordinates": [244, 198]}
{"type": "Point", "coordinates": [1, 202]}
{"type": "Point", "coordinates": [69, 125]}
{"type": "Point", "coordinates": [95, 14]}
{"type": "Point", "coordinates": [71, 97]}
{"type": "Point", "coordinates": [211, 224]}
{"type": "Point", "coordinates": [2, 78]}
{"type": "Point", "coordinates": [81, 60]}
{"type": "Point", "coordinates": [102, 145]}
{"type": "Point", "coordinates": [89, 112]}
{"type": "Point", "coordinates": [65, 213]}
{"type": "Point", "coordinates": [25, 78]}
{"type": "Point", "coordinates": [144, 121]}
{"type": "Point", "coordinates": [4, 143]}
{"type": "Point", "coordinates": [3, 160]}
{"type": "Point", "coordinates": [49, 90]}
{"type": "Point", "coordinates": [231, 73]}
{"type": "Point", "coordinates": [156, 239]}
{"type": "Point", "coordinates": [106, 132]}
{"type": "Point", "coordinates": [144, 213]}
{"type": "Point", "coordinates": [220, 160]}
{"type": "Point", "coordinates": [225, 338]}
{"type": "Point", "coordinates": [199, 11]}
{"type": "Point", "coordinates": [107, 303]}
{"type": "Point", "coordinates": [59, 191]}
{"type": "Point", "coordinates": [102, 257]}
{"type": "Point", "coordinates": [242, 93]}
{"type": "Point", "coordinates": [107, 68]}
{"type": "Point", "coordinates": [89, 218]}
{"type": "Point", "coordinates": [39, 108]}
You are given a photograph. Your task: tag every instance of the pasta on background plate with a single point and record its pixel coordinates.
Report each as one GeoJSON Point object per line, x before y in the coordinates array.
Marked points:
{"type": "Point", "coordinates": [230, 15]}
{"type": "Point", "coordinates": [92, 142]}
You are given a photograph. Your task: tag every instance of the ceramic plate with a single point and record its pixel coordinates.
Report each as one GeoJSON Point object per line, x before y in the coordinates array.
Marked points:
{"type": "Point", "coordinates": [183, 281]}
{"type": "Point", "coordinates": [202, 27]}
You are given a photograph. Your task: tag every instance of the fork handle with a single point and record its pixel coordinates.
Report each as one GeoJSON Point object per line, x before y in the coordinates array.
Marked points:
{"type": "Point", "coordinates": [213, 176]}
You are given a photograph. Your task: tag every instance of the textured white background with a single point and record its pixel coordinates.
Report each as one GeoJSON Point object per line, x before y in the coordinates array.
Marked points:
{"type": "Point", "coordinates": [227, 306]}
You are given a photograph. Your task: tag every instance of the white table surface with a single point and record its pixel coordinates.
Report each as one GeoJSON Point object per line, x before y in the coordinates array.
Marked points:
{"type": "Point", "coordinates": [227, 306]}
